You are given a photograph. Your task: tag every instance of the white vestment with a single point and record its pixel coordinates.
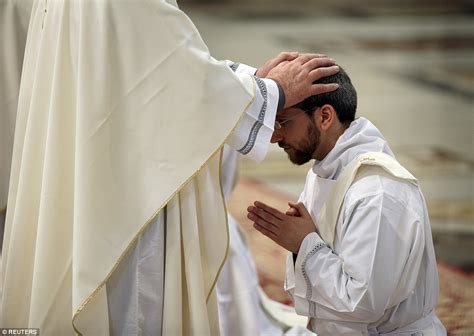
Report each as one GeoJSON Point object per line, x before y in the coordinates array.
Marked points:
{"type": "Point", "coordinates": [379, 275]}
{"type": "Point", "coordinates": [135, 290]}
{"type": "Point", "coordinates": [121, 117]}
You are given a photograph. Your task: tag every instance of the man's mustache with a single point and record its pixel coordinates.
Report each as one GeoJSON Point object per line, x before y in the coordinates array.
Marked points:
{"type": "Point", "coordinates": [282, 144]}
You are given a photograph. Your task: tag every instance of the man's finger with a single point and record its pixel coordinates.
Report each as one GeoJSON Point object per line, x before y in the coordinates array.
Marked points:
{"type": "Point", "coordinates": [278, 214]}
{"type": "Point", "coordinates": [292, 212]}
{"type": "Point", "coordinates": [305, 58]}
{"type": "Point", "coordinates": [315, 55]}
{"type": "Point", "coordinates": [300, 208]}
{"type": "Point", "coordinates": [266, 232]}
{"type": "Point", "coordinates": [323, 72]}
{"type": "Point", "coordinates": [319, 62]}
{"type": "Point", "coordinates": [266, 216]}
{"type": "Point", "coordinates": [323, 88]}
{"type": "Point", "coordinates": [286, 56]}
{"type": "Point", "coordinates": [261, 221]}
{"type": "Point", "coordinates": [282, 63]}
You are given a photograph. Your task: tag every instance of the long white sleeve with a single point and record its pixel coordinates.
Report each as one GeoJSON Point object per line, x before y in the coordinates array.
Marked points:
{"type": "Point", "coordinates": [252, 134]}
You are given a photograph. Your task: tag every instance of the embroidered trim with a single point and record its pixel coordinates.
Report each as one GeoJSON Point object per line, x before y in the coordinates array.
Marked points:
{"type": "Point", "coordinates": [259, 123]}
{"type": "Point", "coordinates": [312, 309]}
{"type": "Point", "coordinates": [309, 289]}
{"type": "Point", "coordinates": [234, 66]}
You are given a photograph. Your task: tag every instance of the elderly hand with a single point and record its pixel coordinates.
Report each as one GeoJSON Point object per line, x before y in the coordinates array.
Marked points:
{"type": "Point", "coordinates": [263, 71]}
{"type": "Point", "coordinates": [287, 230]}
{"type": "Point", "coordinates": [296, 77]}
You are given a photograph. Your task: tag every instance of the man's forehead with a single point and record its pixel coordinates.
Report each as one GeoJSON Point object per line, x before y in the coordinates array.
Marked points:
{"type": "Point", "coordinates": [292, 110]}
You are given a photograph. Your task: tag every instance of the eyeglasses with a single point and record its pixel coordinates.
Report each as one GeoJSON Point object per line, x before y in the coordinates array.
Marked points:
{"type": "Point", "coordinates": [279, 124]}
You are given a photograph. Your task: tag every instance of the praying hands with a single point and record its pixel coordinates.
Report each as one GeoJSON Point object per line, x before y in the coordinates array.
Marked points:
{"type": "Point", "coordinates": [286, 229]}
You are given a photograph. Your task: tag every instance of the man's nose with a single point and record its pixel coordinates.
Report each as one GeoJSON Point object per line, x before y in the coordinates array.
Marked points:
{"type": "Point", "coordinates": [276, 136]}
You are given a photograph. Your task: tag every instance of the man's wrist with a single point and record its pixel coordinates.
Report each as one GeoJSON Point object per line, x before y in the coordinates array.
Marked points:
{"type": "Point", "coordinates": [281, 99]}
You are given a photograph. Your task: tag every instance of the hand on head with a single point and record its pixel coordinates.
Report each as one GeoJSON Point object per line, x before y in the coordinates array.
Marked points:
{"type": "Point", "coordinates": [295, 73]}
{"type": "Point", "coordinates": [285, 56]}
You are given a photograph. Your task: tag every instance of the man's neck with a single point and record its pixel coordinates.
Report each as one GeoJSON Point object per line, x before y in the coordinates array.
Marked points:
{"type": "Point", "coordinates": [329, 140]}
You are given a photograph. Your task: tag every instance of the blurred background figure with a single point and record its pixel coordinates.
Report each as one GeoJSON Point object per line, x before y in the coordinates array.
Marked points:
{"type": "Point", "coordinates": [413, 65]}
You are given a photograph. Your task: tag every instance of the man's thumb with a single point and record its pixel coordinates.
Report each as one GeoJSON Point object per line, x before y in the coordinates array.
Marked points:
{"type": "Point", "coordinates": [301, 209]}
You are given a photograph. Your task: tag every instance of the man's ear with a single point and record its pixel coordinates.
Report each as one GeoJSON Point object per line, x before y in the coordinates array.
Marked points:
{"type": "Point", "coordinates": [325, 116]}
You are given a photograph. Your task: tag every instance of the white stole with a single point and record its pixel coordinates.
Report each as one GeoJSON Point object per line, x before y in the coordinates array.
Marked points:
{"type": "Point", "coordinates": [331, 209]}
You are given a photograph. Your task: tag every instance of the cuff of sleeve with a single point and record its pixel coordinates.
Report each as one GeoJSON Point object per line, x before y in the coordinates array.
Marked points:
{"type": "Point", "coordinates": [241, 68]}
{"type": "Point", "coordinates": [253, 133]}
{"type": "Point", "coordinates": [268, 96]}
{"type": "Point", "coordinates": [246, 69]}
{"type": "Point", "coordinates": [273, 96]}
{"type": "Point", "coordinates": [289, 284]}
{"type": "Point", "coordinates": [309, 242]}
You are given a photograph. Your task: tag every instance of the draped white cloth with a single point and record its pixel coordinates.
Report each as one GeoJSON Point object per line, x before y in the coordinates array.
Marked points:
{"type": "Point", "coordinates": [243, 307]}
{"type": "Point", "coordinates": [240, 308]}
{"type": "Point", "coordinates": [135, 291]}
{"type": "Point", "coordinates": [378, 273]}
{"type": "Point", "coordinates": [14, 18]}
{"type": "Point", "coordinates": [121, 111]}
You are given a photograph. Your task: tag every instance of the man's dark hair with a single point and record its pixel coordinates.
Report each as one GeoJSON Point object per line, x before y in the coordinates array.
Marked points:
{"type": "Point", "coordinates": [344, 99]}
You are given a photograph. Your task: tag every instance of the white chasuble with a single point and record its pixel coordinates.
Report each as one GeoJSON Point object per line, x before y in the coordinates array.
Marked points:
{"type": "Point", "coordinates": [121, 111]}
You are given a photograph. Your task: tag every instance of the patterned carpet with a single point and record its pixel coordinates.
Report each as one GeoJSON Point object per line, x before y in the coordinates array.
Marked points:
{"type": "Point", "coordinates": [456, 304]}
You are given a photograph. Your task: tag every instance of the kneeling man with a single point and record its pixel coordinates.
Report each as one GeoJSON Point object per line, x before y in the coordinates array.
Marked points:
{"type": "Point", "coordinates": [362, 260]}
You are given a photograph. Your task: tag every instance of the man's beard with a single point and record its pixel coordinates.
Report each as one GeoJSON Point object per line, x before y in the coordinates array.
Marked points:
{"type": "Point", "coordinates": [305, 149]}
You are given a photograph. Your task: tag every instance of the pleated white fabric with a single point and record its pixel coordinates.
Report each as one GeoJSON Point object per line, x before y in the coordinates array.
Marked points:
{"type": "Point", "coordinates": [120, 112]}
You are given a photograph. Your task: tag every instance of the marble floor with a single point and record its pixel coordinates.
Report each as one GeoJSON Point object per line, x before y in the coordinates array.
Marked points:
{"type": "Point", "coordinates": [413, 66]}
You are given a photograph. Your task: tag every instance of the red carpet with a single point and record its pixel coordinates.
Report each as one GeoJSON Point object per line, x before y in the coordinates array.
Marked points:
{"type": "Point", "coordinates": [456, 304]}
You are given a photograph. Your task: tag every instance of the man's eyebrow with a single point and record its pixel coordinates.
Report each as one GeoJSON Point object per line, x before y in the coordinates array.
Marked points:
{"type": "Point", "coordinates": [284, 117]}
